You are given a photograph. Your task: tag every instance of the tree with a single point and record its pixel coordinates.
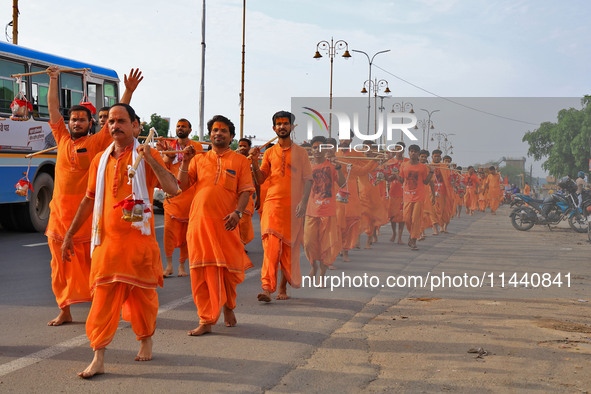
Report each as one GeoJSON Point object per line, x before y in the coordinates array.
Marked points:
{"type": "Point", "coordinates": [159, 123]}
{"type": "Point", "coordinates": [564, 144]}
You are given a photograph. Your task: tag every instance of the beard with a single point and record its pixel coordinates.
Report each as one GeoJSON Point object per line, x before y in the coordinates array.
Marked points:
{"type": "Point", "coordinates": [182, 134]}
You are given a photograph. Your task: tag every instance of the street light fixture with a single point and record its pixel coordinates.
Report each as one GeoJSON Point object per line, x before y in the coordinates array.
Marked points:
{"type": "Point", "coordinates": [370, 61]}
{"type": "Point", "coordinates": [331, 48]}
{"type": "Point", "coordinates": [375, 86]}
{"type": "Point", "coordinates": [429, 123]}
{"type": "Point", "coordinates": [402, 107]}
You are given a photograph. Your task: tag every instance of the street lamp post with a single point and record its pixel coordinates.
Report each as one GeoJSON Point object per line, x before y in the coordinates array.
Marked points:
{"type": "Point", "coordinates": [429, 113]}
{"type": "Point", "coordinates": [331, 48]}
{"type": "Point", "coordinates": [375, 86]}
{"type": "Point", "coordinates": [370, 61]}
{"type": "Point", "coordinates": [426, 124]}
{"type": "Point", "coordinates": [402, 107]}
{"type": "Point", "coordinates": [447, 145]}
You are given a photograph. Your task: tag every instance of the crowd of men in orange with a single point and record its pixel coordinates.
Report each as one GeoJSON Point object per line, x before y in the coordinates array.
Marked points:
{"type": "Point", "coordinates": [101, 229]}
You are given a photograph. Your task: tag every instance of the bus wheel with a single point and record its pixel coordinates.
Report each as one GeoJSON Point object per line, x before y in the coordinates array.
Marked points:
{"type": "Point", "coordinates": [36, 212]}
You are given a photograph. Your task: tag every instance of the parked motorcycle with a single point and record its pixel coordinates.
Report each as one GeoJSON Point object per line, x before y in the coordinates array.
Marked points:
{"type": "Point", "coordinates": [551, 211]}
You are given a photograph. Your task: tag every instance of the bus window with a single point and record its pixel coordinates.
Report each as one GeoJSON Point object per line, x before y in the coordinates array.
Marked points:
{"type": "Point", "coordinates": [110, 94]}
{"type": "Point", "coordinates": [71, 91]}
{"type": "Point", "coordinates": [91, 89]}
{"type": "Point", "coordinates": [39, 87]}
{"type": "Point", "coordinates": [8, 89]}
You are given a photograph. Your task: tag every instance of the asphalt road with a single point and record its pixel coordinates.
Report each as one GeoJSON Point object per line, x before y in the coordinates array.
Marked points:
{"type": "Point", "coordinates": [275, 345]}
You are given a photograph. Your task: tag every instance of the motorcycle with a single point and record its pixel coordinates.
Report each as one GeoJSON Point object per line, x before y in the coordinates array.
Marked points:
{"type": "Point", "coordinates": [551, 211]}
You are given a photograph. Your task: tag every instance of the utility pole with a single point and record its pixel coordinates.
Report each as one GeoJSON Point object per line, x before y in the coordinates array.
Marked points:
{"type": "Point", "coordinates": [242, 80]}
{"type": "Point", "coordinates": [202, 89]}
{"type": "Point", "coordinates": [15, 22]}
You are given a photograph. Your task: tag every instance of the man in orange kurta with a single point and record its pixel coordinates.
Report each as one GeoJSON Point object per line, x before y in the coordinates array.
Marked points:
{"type": "Point", "coordinates": [351, 209]}
{"type": "Point", "coordinates": [245, 224]}
{"type": "Point", "coordinates": [415, 176]}
{"type": "Point", "coordinates": [287, 171]}
{"type": "Point", "coordinates": [492, 186]}
{"type": "Point", "coordinates": [395, 200]}
{"type": "Point", "coordinates": [428, 202]}
{"type": "Point", "coordinates": [126, 266]}
{"type": "Point", "coordinates": [216, 255]}
{"type": "Point", "coordinates": [76, 149]}
{"type": "Point", "coordinates": [443, 191]}
{"type": "Point", "coordinates": [373, 210]}
{"type": "Point", "coordinates": [471, 196]}
{"type": "Point", "coordinates": [321, 235]}
{"type": "Point", "coordinates": [176, 208]}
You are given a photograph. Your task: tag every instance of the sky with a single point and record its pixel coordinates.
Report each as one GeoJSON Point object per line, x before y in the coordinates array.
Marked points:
{"type": "Point", "coordinates": [446, 48]}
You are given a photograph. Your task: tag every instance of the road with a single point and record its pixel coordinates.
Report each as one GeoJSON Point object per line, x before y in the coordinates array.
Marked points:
{"type": "Point", "coordinates": [373, 337]}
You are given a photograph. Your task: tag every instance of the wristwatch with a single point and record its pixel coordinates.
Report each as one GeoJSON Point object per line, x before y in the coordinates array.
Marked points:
{"type": "Point", "coordinates": [238, 213]}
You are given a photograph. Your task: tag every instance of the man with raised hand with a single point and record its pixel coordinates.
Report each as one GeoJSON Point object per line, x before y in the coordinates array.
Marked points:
{"type": "Point", "coordinates": [76, 149]}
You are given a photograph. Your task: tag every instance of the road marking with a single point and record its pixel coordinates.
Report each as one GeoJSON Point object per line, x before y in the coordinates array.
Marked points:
{"type": "Point", "coordinates": [80, 340]}
{"type": "Point", "coordinates": [33, 245]}
{"type": "Point", "coordinates": [161, 226]}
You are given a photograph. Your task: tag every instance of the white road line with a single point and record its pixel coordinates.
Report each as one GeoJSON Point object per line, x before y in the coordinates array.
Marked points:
{"type": "Point", "coordinates": [33, 245]}
{"type": "Point", "coordinates": [161, 226]}
{"type": "Point", "coordinates": [80, 340]}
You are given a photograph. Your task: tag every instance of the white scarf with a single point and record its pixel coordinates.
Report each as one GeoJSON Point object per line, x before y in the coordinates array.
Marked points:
{"type": "Point", "coordinates": [139, 192]}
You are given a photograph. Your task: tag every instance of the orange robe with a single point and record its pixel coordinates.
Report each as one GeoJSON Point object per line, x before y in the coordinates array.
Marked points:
{"type": "Point", "coordinates": [216, 256]}
{"type": "Point", "coordinates": [481, 195]}
{"type": "Point", "coordinates": [471, 198]}
{"type": "Point", "coordinates": [373, 210]}
{"type": "Point", "coordinates": [126, 266]}
{"type": "Point", "coordinates": [245, 224]}
{"type": "Point", "coordinates": [396, 194]}
{"type": "Point", "coordinates": [286, 171]}
{"type": "Point", "coordinates": [322, 241]}
{"type": "Point", "coordinates": [494, 191]}
{"type": "Point", "coordinates": [442, 208]}
{"type": "Point", "coordinates": [427, 208]}
{"type": "Point", "coordinates": [176, 210]}
{"type": "Point", "coordinates": [70, 281]}
{"type": "Point", "coordinates": [350, 225]}
{"type": "Point", "coordinates": [414, 188]}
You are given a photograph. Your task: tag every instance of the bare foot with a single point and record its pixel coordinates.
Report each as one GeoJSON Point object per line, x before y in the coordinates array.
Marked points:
{"type": "Point", "coordinates": [313, 269]}
{"type": "Point", "coordinates": [282, 290]}
{"type": "Point", "coordinates": [63, 317]}
{"type": "Point", "coordinates": [346, 256]}
{"type": "Point", "coordinates": [96, 367]}
{"type": "Point", "coordinates": [400, 240]}
{"type": "Point", "coordinates": [168, 271]}
{"type": "Point", "coordinates": [282, 296]}
{"type": "Point", "coordinates": [368, 243]}
{"type": "Point", "coordinates": [145, 353]}
{"type": "Point", "coordinates": [393, 239]}
{"type": "Point", "coordinates": [332, 267]}
{"type": "Point", "coordinates": [264, 296]}
{"type": "Point", "coordinates": [182, 271]}
{"type": "Point", "coordinates": [229, 317]}
{"type": "Point", "coordinates": [201, 330]}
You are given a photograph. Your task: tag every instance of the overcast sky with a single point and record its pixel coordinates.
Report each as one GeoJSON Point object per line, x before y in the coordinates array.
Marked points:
{"type": "Point", "coordinates": [468, 48]}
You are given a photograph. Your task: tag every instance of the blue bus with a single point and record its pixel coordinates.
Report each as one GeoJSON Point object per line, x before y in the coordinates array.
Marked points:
{"type": "Point", "coordinates": [21, 137]}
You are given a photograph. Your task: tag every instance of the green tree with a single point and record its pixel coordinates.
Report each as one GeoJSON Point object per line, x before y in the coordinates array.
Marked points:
{"type": "Point", "coordinates": [159, 123]}
{"type": "Point", "coordinates": [565, 144]}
